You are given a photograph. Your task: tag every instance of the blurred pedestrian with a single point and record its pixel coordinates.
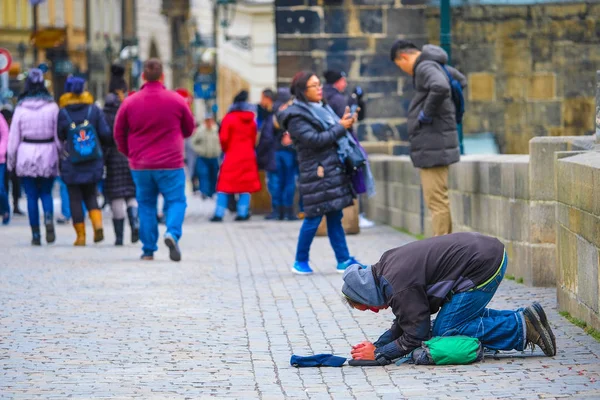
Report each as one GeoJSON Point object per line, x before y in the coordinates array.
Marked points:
{"type": "Point", "coordinates": [325, 187]}
{"type": "Point", "coordinates": [4, 205]}
{"type": "Point", "coordinates": [282, 180]}
{"type": "Point", "coordinates": [82, 128]}
{"type": "Point", "coordinates": [33, 151]}
{"type": "Point", "coordinates": [10, 177]}
{"type": "Point", "coordinates": [239, 171]}
{"type": "Point", "coordinates": [150, 129]}
{"type": "Point", "coordinates": [118, 185]}
{"type": "Point", "coordinates": [207, 147]}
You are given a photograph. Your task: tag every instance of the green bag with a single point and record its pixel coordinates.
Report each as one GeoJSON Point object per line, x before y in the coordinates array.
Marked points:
{"type": "Point", "coordinates": [448, 350]}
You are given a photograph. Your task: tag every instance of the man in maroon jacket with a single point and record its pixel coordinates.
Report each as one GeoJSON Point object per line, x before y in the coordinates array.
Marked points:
{"type": "Point", "coordinates": [150, 128]}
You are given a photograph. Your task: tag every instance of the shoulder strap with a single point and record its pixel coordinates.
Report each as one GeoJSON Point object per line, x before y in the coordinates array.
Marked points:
{"type": "Point", "coordinates": [67, 115]}
{"type": "Point", "coordinates": [89, 113]}
{"type": "Point", "coordinates": [448, 74]}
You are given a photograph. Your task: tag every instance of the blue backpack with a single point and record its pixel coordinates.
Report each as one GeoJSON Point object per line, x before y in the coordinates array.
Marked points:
{"type": "Point", "coordinates": [83, 143]}
{"type": "Point", "coordinates": [457, 95]}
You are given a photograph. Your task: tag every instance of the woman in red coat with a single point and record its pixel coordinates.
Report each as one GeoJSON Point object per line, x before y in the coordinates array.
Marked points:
{"type": "Point", "coordinates": [239, 171]}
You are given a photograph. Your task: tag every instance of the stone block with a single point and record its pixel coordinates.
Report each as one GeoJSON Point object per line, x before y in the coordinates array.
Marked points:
{"type": "Point", "coordinates": [581, 187]}
{"type": "Point", "coordinates": [518, 219]}
{"type": "Point", "coordinates": [402, 130]}
{"type": "Point", "coordinates": [335, 20]}
{"type": "Point", "coordinates": [596, 191]}
{"type": "Point", "coordinates": [480, 213]}
{"type": "Point", "coordinates": [373, 2]}
{"type": "Point", "coordinates": [484, 177]}
{"type": "Point", "coordinates": [542, 222]}
{"type": "Point", "coordinates": [482, 86]}
{"type": "Point", "coordinates": [410, 199]}
{"type": "Point", "coordinates": [590, 228]}
{"type": "Point", "coordinates": [507, 179]}
{"type": "Point", "coordinates": [495, 178]}
{"type": "Point", "coordinates": [377, 66]}
{"type": "Point", "coordinates": [519, 264]}
{"type": "Point", "coordinates": [464, 176]}
{"type": "Point", "coordinates": [467, 200]}
{"type": "Point", "coordinates": [383, 132]}
{"type": "Point", "coordinates": [542, 86]}
{"type": "Point", "coordinates": [413, 223]}
{"type": "Point", "coordinates": [515, 88]}
{"type": "Point", "coordinates": [298, 21]}
{"type": "Point", "coordinates": [341, 61]}
{"type": "Point", "coordinates": [543, 265]}
{"type": "Point", "coordinates": [385, 107]}
{"type": "Point", "coordinates": [289, 65]}
{"type": "Point", "coordinates": [389, 85]}
{"type": "Point", "coordinates": [401, 149]}
{"type": "Point", "coordinates": [371, 21]}
{"type": "Point", "coordinates": [587, 273]}
{"type": "Point", "coordinates": [498, 216]}
{"type": "Point", "coordinates": [579, 114]}
{"type": "Point", "coordinates": [541, 166]}
{"type": "Point", "coordinates": [567, 260]}
{"type": "Point", "coordinates": [522, 180]}
{"type": "Point", "coordinates": [407, 22]}
{"type": "Point", "coordinates": [456, 207]}
{"type": "Point", "coordinates": [544, 113]}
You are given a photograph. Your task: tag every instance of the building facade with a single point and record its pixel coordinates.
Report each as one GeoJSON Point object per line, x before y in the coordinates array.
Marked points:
{"type": "Point", "coordinates": [154, 35]}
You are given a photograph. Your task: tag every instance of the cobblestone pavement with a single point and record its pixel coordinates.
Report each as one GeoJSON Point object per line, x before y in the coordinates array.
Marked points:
{"type": "Point", "coordinates": [99, 323]}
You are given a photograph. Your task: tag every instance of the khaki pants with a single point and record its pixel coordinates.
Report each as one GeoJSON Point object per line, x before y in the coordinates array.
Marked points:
{"type": "Point", "coordinates": [435, 192]}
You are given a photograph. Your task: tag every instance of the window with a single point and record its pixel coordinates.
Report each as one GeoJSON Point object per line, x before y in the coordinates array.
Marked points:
{"type": "Point", "coordinates": [79, 14]}
{"type": "Point", "coordinates": [59, 13]}
{"type": "Point", "coordinates": [43, 14]}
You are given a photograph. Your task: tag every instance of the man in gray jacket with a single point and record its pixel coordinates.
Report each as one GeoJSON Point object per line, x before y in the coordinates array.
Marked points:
{"type": "Point", "coordinates": [431, 124]}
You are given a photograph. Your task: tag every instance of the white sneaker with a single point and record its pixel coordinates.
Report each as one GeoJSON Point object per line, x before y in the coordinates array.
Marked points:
{"type": "Point", "coordinates": [364, 223]}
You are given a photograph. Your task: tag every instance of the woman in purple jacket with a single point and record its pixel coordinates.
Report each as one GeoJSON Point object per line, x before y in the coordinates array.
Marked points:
{"type": "Point", "coordinates": [4, 206]}
{"type": "Point", "coordinates": [33, 149]}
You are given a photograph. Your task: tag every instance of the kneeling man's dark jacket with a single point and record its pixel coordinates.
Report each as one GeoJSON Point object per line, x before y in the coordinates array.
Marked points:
{"type": "Point", "coordinates": [416, 279]}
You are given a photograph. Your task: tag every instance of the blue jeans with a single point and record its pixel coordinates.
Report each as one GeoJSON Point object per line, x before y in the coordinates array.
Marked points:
{"type": "Point", "coordinates": [282, 182]}
{"type": "Point", "coordinates": [335, 231]}
{"type": "Point", "coordinates": [243, 204]}
{"type": "Point", "coordinates": [207, 170]}
{"type": "Point", "coordinates": [148, 184]}
{"type": "Point", "coordinates": [4, 204]}
{"type": "Point", "coordinates": [466, 314]}
{"type": "Point", "coordinates": [35, 189]}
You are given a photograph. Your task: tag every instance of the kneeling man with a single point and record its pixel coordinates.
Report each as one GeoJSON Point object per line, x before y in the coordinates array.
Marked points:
{"type": "Point", "coordinates": [455, 274]}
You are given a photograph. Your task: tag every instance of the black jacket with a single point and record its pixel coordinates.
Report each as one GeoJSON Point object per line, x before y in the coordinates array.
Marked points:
{"type": "Point", "coordinates": [332, 191]}
{"type": "Point", "coordinates": [267, 145]}
{"type": "Point", "coordinates": [418, 278]}
{"type": "Point", "coordinates": [119, 182]}
{"type": "Point", "coordinates": [90, 171]}
{"type": "Point", "coordinates": [337, 100]}
{"type": "Point", "coordinates": [434, 144]}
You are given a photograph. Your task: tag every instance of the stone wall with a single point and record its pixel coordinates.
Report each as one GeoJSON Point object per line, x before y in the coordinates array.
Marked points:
{"type": "Point", "coordinates": [531, 68]}
{"type": "Point", "coordinates": [578, 234]}
{"type": "Point", "coordinates": [355, 36]}
{"type": "Point", "coordinates": [511, 197]}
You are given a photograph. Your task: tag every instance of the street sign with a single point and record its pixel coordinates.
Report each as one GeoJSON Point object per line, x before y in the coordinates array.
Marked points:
{"type": "Point", "coordinates": [5, 60]}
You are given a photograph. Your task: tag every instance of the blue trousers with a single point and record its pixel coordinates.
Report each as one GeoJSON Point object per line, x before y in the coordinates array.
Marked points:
{"type": "Point", "coordinates": [207, 170]}
{"type": "Point", "coordinates": [335, 231]}
{"type": "Point", "coordinates": [282, 182]}
{"type": "Point", "coordinates": [243, 204]}
{"type": "Point", "coordinates": [170, 183]}
{"type": "Point", "coordinates": [466, 314]}
{"type": "Point", "coordinates": [4, 204]}
{"type": "Point", "coordinates": [38, 189]}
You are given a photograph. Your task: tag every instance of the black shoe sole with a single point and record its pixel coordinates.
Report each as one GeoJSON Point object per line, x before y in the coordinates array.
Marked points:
{"type": "Point", "coordinates": [174, 253]}
{"type": "Point", "coordinates": [544, 319]}
{"type": "Point", "coordinates": [533, 316]}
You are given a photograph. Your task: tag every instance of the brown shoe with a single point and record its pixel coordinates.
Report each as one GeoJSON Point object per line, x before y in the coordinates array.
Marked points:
{"type": "Point", "coordinates": [80, 231]}
{"type": "Point", "coordinates": [96, 218]}
{"type": "Point", "coordinates": [538, 331]}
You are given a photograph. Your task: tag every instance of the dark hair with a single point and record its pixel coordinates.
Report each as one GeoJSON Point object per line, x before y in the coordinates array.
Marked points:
{"type": "Point", "coordinates": [299, 83]}
{"type": "Point", "coordinates": [117, 82]}
{"type": "Point", "coordinates": [241, 97]}
{"type": "Point", "coordinates": [269, 94]}
{"type": "Point", "coordinates": [402, 46]}
{"type": "Point", "coordinates": [153, 70]}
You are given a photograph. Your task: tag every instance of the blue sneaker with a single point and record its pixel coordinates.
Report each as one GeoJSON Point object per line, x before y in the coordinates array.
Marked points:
{"type": "Point", "coordinates": [341, 267]}
{"type": "Point", "coordinates": [302, 268]}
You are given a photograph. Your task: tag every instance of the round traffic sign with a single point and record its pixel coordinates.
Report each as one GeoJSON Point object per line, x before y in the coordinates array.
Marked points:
{"type": "Point", "coordinates": [5, 60]}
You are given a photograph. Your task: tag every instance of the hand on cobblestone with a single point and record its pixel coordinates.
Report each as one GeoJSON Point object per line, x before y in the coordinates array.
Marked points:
{"type": "Point", "coordinates": [363, 351]}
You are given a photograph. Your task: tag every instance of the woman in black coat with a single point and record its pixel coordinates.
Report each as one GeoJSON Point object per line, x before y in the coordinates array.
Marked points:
{"type": "Point", "coordinates": [118, 185]}
{"type": "Point", "coordinates": [325, 187]}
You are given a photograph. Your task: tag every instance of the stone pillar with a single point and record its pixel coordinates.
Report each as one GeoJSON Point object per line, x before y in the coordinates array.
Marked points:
{"type": "Point", "coordinates": [597, 106]}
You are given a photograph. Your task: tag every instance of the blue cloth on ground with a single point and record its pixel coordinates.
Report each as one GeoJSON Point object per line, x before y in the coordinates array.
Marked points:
{"type": "Point", "coordinates": [318, 360]}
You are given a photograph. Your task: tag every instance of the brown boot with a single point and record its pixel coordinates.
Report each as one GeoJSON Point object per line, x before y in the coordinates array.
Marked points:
{"type": "Point", "coordinates": [538, 331]}
{"type": "Point", "coordinates": [80, 230]}
{"type": "Point", "coordinates": [96, 217]}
